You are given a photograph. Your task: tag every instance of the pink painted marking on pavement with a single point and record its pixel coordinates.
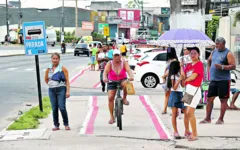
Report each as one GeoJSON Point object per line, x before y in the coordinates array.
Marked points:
{"type": "Point", "coordinates": [90, 125]}
{"type": "Point", "coordinates": [78, 75]}
{"type": "Point", "coordinates": [161, 132]}
{"type": "Point", "coordinates": [96, 85]}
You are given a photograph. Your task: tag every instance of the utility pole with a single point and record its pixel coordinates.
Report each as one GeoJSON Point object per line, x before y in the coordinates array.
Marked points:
{"type": "Point", "coordinates": [76, 16]}
{"type": "Point", "coordinates": [19, 14]}
{"type": "Point", "coordinates": [143, 21]}
{"type": "Point", "coordinates": [62, 35]}
{"type": "Point", "coordinates": [7, 21]}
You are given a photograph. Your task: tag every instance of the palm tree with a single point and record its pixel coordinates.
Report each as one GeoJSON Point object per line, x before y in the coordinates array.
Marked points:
{"type": "Point", "coordinates": [236, 18]}
{"type": "Point", "coordinates": [135, 3]}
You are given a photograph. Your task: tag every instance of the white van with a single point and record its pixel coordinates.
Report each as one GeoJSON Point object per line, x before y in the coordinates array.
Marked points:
{"type": "Point", "coordinates": [51, 37]}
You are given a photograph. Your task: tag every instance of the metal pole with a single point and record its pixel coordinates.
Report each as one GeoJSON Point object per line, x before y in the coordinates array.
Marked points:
{"type": "Point", "coordinates": [62, 35]}
{"type": "Point", "coordinates": [19, 14]}
{"type": "Point", "coordinates": [143, 22]}
{"type": "Point", "coordinates": [221, 9]}
{"type": "Point", "coordinates": [7, 21]}
{"type": "Point", "coordinates": [39, 83]}
{"type": "Point", "coordinates": [76, 16]}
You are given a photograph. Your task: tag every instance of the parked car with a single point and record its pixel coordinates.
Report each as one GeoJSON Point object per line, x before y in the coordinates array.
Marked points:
{"type": "Point", "coordinates": [138, 41]}
{"type": "Point", "coordinates": [150, 69]}
{"type": "Point", "coordinates": [138, 54]}
{"type": "Point", "coordinates": [81, 49]}
{"type": "Point", "coordinates": [120, 40]}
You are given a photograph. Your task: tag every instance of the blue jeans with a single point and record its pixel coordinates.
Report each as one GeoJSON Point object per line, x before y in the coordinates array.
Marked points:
{"type": "Point", "coordinates": [58, 101]}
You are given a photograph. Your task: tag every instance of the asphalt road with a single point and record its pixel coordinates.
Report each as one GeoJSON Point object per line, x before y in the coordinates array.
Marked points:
{"type": "Point", "coordinates": [18, 83]}
{"type": "Point", "coordinates": [20, 47]}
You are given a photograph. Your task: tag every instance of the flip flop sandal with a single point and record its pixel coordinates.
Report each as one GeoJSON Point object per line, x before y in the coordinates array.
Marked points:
{"type": "Point", "coordinates": [191, 138]}
{"type": "Point", "coordinates": [67, 128]}
{"type": "Point", "coordinates": [163, 113]}
{"type": "Point", "coordinates": [55, 129]}
{"type": "Point", "coordinates": [188, 134]}
{"type": "Point", "coordinates": [111, 121]}
{"type": "Point", "coordinates": [204, 122]}
{"type": "Point", "coordinates": [219, 122]}
{"type": "Point", "coordinates": [126, 102]}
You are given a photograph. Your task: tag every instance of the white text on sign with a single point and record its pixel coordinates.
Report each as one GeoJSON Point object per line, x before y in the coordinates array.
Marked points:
{"type": "Point", "coordinates": [34, 44]}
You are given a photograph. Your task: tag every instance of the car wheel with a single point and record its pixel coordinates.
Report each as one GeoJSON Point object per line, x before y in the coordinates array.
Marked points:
{"type": "Point", "coordinates": [150, 81]}
{"type": "Point", "coordinates": [78, 54]}
{"type": "Point", "coordinates": [75, 54]}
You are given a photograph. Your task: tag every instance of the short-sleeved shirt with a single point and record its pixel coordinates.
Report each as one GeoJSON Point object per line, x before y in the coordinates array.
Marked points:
{"type": "Point", "coordinates": [196, 68]}
{"type": "Point", "coordinates": [103, 63]}
{"type": "Point", "coordinates": [110, 54]}
{"type": "Point", "coordinates": [179, 88]}
{"type": "Point", "coordinates": [123, 48]}
{"type": "Point", "coordinates": [94, 51]}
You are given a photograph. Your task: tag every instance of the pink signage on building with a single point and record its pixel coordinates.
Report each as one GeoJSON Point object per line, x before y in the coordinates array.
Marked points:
{"type": "Point", "coordinates": [130, 18]}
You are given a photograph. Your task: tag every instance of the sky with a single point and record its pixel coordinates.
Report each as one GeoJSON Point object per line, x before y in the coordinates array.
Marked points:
{"type": "Point", "coordinates": [81, 3]}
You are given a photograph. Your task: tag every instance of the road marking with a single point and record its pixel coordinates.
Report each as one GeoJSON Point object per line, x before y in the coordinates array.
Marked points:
{"type": "Point", "coordinates": [88, 124]}
{"type": "Point", "coordinates": [29, 69]}
{"type": "Point", "coordinates": [97, 85]}
{"type": "Point", "coordinates": [74, 78]}
{"type": "Point", "coordinates": [11, 69]}
{"type": "Point", "coordinates": [157, 121]}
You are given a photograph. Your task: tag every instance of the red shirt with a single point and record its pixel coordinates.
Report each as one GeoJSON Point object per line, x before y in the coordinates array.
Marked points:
{"type": "Point", "coordinates": [196, 68]}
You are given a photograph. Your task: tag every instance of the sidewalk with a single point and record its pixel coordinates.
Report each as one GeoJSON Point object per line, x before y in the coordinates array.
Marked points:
{"type": "Point", "coordinates": [89, 115]}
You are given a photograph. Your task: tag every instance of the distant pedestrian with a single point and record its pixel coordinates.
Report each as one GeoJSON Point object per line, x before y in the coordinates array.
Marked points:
{"type": "Point", "coordinates": [123, 50]}
{"type": "Point", "coordinates": [93, 56]}
{"type": "Point", "coordinates": [220, 62]}
{"type": "Point", "coordinates": [103, 59]}
{"type": "Point", "coordinates": [110, 51]}
{"type": "Point", "coordinates": [56, 77]}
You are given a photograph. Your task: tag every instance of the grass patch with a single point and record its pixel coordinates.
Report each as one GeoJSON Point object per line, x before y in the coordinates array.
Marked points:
{"type": "Point", "coordinates": [29, 120]}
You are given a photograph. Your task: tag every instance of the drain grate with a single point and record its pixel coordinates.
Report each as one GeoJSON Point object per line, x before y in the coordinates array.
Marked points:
{"type": "Point", "coordinates": [26, 133]}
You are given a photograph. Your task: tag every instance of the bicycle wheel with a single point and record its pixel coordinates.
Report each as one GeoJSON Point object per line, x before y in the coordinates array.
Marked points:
{"type": "Point", "coordinates": [116, 111]}
{"type": "Point", "coordinates": [119, 113]}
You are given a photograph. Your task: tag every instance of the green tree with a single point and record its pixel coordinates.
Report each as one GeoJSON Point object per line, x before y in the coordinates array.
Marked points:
{"type": "Point", "coordinates": [236, 18]}
{"type": "Point", "coordinates": [234, 2]}
{"type": "Point", "coordinates": [212, 26]}
{"type": "Point", "coordinates": [135, 3]}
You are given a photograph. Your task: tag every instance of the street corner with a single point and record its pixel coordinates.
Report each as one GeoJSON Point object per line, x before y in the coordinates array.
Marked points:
{"type": "Point", "coordinates": [140, 116]}
{"type": "Point", "coordinates": [86, 79]}
{"type": "Point", "coordinates": [30, 134]}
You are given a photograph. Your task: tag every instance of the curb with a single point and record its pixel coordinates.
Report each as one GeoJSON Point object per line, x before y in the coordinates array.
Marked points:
{"type": "Point", "coordinates": [25, 54]}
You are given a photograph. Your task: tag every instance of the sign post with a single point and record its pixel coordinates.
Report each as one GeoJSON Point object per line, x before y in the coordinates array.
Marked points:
{"type": "Point", "coordinates": [35, 43]}
{"type": "Point", "coordinates": [106, 33]}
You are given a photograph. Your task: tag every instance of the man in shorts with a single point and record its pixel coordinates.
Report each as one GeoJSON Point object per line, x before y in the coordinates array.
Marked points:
{"type": "Point", "coordinates": [220, 63]}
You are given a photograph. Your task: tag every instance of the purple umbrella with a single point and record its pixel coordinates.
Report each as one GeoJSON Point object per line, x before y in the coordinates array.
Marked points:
{"type": "Point", "coordinates": [186, 37]}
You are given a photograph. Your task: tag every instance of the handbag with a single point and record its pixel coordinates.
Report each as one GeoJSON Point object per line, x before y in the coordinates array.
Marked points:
{"type": "Point", "coordinates": [130, 88]}
{"type": "Point", "coordinates": [187, 98]}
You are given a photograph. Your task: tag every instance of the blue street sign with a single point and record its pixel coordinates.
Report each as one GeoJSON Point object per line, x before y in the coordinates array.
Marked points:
{"type": "Point", "coordinates": [34, 34]}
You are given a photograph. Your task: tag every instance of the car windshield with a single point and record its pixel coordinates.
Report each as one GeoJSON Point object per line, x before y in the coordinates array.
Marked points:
{"type": "Point", "coordinates": [137, 51]}
{"type": "Point", "coordinates": [82, 45]}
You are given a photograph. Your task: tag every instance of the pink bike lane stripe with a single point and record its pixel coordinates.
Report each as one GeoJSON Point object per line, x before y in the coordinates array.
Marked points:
{"type": "Point", "coordinates": [97, 85]}
{"type": "Point", "coordinates": [158, 127]}
{"type": "Point", "coordinates": [90, 124]}
{"type": "Point", "coordinates": [78, 75]}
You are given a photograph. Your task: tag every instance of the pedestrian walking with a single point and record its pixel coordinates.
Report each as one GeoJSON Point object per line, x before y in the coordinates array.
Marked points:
{"type": "Point", "coordinates": [220, 62]}
{"type": "Point", "coordinates": [56, 77]}
{"type": "Point", "coordinates": [103, 59]}
{"type": "Point", "coordinates": [175, 83]}
{"type": "Point", "coordinates": [193, 73]}
{"type": "Point", "coordinates": [100, 49]}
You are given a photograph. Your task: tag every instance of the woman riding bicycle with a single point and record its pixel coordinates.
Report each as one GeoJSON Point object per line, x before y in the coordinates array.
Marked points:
{"type": "Point", "coordinates": [116, 70]}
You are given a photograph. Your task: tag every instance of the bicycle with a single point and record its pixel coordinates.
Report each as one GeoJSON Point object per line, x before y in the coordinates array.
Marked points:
{"type": "Point", "coordinates": [118, 107]}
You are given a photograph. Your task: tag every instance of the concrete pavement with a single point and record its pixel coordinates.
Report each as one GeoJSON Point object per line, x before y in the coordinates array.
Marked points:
{"type": "Point", "coordinates": [143, 125]}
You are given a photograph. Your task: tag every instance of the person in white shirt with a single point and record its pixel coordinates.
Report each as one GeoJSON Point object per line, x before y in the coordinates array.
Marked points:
{"type": "Point", "coordinates": [103, 59]}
